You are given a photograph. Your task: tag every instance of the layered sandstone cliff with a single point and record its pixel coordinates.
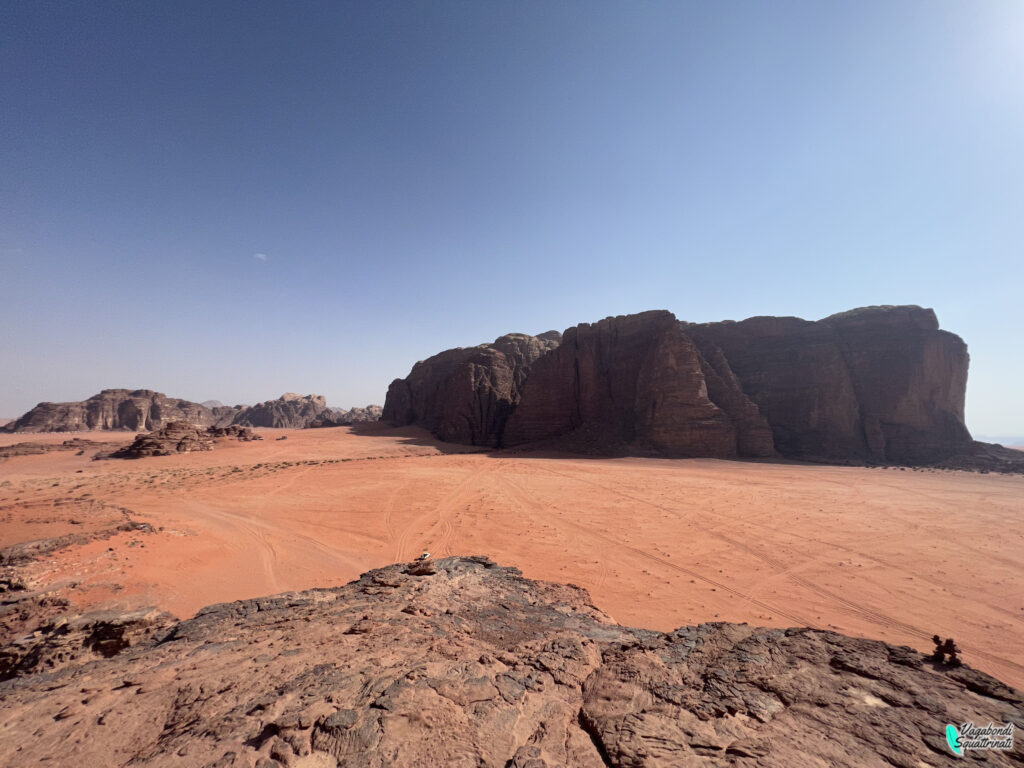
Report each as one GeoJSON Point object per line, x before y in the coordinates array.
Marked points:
{"type": "Point", "coordinates": [461, 662]}
{"type": "Point", "coordinates": [878, 384]}
{"type": "Point", "coordinates": [465, 395]}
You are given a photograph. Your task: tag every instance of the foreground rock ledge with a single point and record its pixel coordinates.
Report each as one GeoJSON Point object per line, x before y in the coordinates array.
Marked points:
{"type": "Point", "coordinates": [464, 663]}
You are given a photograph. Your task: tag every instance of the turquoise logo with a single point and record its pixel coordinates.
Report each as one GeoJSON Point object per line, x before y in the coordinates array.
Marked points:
{"type": "Point", "coordinates": [953, 739]}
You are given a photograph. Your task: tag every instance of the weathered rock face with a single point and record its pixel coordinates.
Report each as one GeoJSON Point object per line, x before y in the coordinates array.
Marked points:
{"type": "Point", "coordinates": [131, 410]}
{"type": "Point", "coordinates": [290, 411]}
{"type": "Point", "coordinates": [463, 663]}
{"type": "Point", "coordinates": [465, 395]}
{"type": "Point", "coordinates": [639, 382]}
{"type": "Point", "coordinates": [876, 384]}
{"type": "Point", "coordinates": [879, 384]}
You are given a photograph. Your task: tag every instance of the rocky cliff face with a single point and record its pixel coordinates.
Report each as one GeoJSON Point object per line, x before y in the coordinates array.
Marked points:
{"type": "Point", "coordinates": [463, 663]}
{"type": "Point", "coordinates": [466, 395]}
{"type": "Point", "coordinates": [639, 382]}
{"type": "Point", "coordinates": [879, 384]}
{"type": "Point", "coordinates": [876, 384]}
{"type": "Point", "coordinates": [131, 410]}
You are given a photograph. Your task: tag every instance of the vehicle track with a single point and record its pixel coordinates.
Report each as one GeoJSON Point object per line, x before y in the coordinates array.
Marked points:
{"type": "Point", "coordinates": [421, 527]}
{"type": "Point", "coordinates": [860, 610]}
{"type": "Point", "coordinates": [646, 554]}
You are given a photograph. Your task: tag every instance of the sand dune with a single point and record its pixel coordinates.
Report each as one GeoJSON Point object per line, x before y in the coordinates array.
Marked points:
{"type": "Point", "coordinates": [887, 554]}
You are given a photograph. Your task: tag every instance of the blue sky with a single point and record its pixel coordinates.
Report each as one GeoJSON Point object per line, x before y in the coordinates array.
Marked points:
{"type": "Point", "coordinates": [231, 200]}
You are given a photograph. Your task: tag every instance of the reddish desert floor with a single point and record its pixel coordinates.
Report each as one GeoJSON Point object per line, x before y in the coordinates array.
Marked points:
{"type": "Point", "coordinates": [887, 554]}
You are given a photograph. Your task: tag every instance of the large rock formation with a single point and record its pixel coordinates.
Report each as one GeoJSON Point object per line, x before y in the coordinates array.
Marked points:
{"type": "Point", "coordinates": [879, 384]}
{"type": "Point", "coordinates": [290, 411]}
{"type": "Point", "coordinates": [121, 409]}
{"type": "Point", "coordinates": [463, 663]}
{"type": "Point", "coordinates": [465, 395]}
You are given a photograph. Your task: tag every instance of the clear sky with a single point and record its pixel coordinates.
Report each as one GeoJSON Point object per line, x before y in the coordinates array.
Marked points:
{"type": "Point", "coordinates": [231, 200]}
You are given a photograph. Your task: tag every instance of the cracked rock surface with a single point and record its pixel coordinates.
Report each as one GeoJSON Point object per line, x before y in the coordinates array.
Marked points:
{"type": "Point", "coordinates": [465, 663]}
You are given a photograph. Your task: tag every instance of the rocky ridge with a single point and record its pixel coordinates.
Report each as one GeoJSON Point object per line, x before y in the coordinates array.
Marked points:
{"type": "Point", "coordinates": [460, 662]}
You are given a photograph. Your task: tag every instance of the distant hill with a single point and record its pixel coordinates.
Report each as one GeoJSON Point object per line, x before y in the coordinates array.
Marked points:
{"type": "Point", "coordinates": [144, 410]}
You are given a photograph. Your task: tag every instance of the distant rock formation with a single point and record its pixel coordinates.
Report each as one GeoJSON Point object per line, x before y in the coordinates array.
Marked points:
{"type": "Point", "coordinates": [339, 417]}
{"type": "Point", "coordinates": [179, 437]}
{"type": "Point", "coordinates": [875, 385]}
{"type": "Point", "coordinates": [144, 410]}
{"type": "Point", "coordinates": [290, 411]}
{"type": "Point", "coordinates": [460, 662]}
{"type": "Point", "coordinates": [466, 395]}
{"type": "Point", "coordinates": [117, 409]}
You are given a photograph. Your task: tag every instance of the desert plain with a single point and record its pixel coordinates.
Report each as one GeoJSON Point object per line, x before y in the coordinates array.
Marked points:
{"type": "Point", "coordinates": [884, 553]}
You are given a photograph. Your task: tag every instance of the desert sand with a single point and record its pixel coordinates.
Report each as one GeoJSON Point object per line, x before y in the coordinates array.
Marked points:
{"type": "Point", "coordinates": [889, 554]}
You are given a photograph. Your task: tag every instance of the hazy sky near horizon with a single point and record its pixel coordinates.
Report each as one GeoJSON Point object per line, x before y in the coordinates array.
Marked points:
{"type": "Point", "coordinates": [232, 200]}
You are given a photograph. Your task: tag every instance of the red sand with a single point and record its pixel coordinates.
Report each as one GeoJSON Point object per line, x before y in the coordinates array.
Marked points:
{"type": "Point", "coordinates": [893, 555]}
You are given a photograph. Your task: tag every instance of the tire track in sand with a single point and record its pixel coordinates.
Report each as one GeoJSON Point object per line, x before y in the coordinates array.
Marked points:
{"type": "Point", "coordinates": [525, 499]}
{"type": "Point", "coordinates": [422, 527]}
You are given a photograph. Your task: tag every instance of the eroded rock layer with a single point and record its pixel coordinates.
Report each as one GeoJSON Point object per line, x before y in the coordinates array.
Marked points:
{"type": "Point", "coordinates": [464, 663]}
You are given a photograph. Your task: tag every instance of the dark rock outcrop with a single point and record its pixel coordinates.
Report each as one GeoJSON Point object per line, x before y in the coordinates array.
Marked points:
{"type": "Point", "coordinates": [873, 385]}
{"type": "Point", "coordinates": [464, 663]}
{"type": "Point", "coordinates": [120, 409]}
{"type": "Point", "coordinates": [465, 395]}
